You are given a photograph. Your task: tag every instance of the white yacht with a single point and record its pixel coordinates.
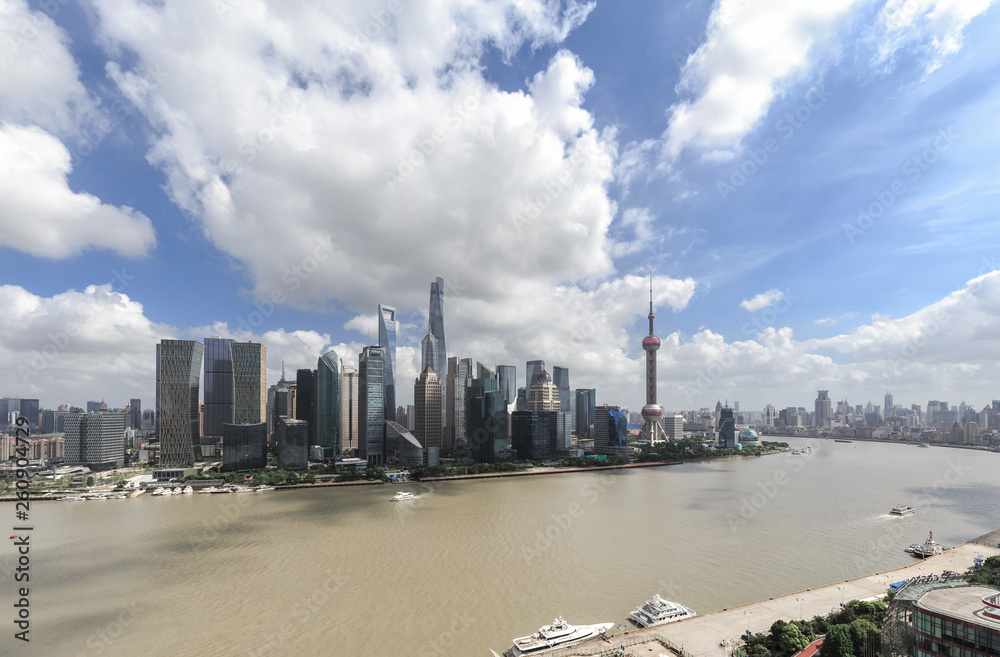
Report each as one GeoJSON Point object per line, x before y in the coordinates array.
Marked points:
{"type": "Point", "coordinates": [658, 611]}
{"type": "Point", "coordinates": [187, 490]}
{"type": "Point", "coordinates": [902, 510]}
{"type": "Point", "coordinates": [160, 491]}
{"type": "Point", "coordinates": [402, 496]}
{"type": "Point", "coordinates": [559, 633]}
{"type": "Point", "coordinates": [261, 489]}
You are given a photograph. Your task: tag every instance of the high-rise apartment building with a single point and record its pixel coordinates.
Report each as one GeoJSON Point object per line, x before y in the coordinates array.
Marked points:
{"type": "Point", "coordinates": [349, 408]}
{"type": "Point", "coordinates": [427, 428]}
{"type": "Point", "coordinates": [387, 339]}
{"type": "Point", "coordinates": [371, 405]}
{"type": "Point", "coordinates": [328, 405]}
{"type": "Point", "coordinates": [178, 374]}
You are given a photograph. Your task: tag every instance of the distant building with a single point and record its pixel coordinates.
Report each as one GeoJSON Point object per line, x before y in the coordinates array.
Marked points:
{"type": "Point", "coordinates": [305, 400]}
{"type": "Point", "coordinates": [178, 374]}
{"type": "Point", "coordinates": [486, 420]}
{"type": "Point", "coordinates": [328, 405]}
{"type": "Point", "coordinates": [459, 376]}
{"type": "Point", "coordinates": [96, 440]}
{"type": "Point", "coordinates": [245, 446]}
{"type": "Point", "coordinates": [135, 414]}
{"type": "Point", "coordinates": [531, 372]}
{"type": "Point", "coordinates": [673, 426]}
{"type": "Point", "coordinates": [219, 393]}
{"type": "Point", "coordinates": [403, 448]}
{"type": "Point", "coordinates": [434, 350]}
{"type": "Point", "coordinates": [824, 409]}
{"type": "Point", "coordinates": [387, 339]}
{"type": "Point", "coordinates": [749, 438]}
{"type": "Point", "coordinates": [533, 434]}
{"type": "Point", "coordinates": [727, 429]}
{"type": "Point", "coordinates": [543, 395]}
{"type": "Point", "coordinates": [292, 444]}
{"type": "Point", "coordinates": [349, 408]}
{"type": "Point", "coordinates": [586, 400]}
{"type": "Point", "coordinates": [249, 382]}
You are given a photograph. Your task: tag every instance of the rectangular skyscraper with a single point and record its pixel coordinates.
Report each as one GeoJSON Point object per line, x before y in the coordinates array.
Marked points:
{"type": "Point", "coordinates": [249, 382]}
{"type": "Point", "coordinates": [586, 400]}
{"type": "Point", "coordinates": [459, 376]}
{"type": "Point", "coordinates": [531, 372]}
{"type": "Point", "coordinates": [486, 420]}
{"type": "Point", "coordinates": [371, 405]}
{"type": "Point", "coordinates": [328, 405]}
{"type": "Point", "coordinates": [219, 390]}
{"type": "Point", "coordinates": [96, 440]}
{"type": "Point", "coordinates": [427, 409]}
{"type": "Point", "coordinates": [178, 378]}
{"type": "Point", "coordinates": [349, 408]}
{"type": "Point", "coordinates": [305, 401]}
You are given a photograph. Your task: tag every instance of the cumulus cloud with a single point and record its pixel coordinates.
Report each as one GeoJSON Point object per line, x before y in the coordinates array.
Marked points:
{"type": "Point", "coordinates": [762, 300]}
{"type": "Point", "coordinates": [41, 215]}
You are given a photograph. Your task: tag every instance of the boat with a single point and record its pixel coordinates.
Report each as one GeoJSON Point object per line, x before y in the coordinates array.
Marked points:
{"type": "Point", "coordinates": [658, 611]}
{"type": "Point", "coordinates": [902, 510]}
{"type": "Point", "coordinates": [72, 498]}
{"type": "Point", "coordinates": [930, 547]}
{"type": "Point", "coordinates": [187, 490]}
{"type": "Point", "coordinates": [797, 452]}
{"type": "Point", "coordinates": [160, 491]}
{"type": "Point", "coordinates": [559, 633]}
{"type": "Point", "coordinates": [210, 489]}
{"type": "Point", "coordinates": [923, 445]}
{"type": "Point", "coordinates": [242, 489]}
{"type": "Point", "coordinates": [402, 496]}
{"type": "Point", "coordinates": [261, 489]}
{"type": "Point", "coordinates": [841, 440]}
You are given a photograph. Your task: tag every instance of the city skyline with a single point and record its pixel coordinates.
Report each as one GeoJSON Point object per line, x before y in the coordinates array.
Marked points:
{"type": "Point", "coordinates": [833, 230]}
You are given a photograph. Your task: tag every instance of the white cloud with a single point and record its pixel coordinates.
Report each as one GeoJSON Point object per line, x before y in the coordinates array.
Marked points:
{"type": "Point", "coordinates": [826, 321]}
{"type": "Point", "coordinates": [934, 27]}
{"type": "Point", "coordinates": [762, 300]}
{"type": "Point", "coordinates": [41, 215]}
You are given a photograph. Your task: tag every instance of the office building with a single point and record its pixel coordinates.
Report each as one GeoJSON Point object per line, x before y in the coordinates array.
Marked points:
{"type": "Point", "coordinates": [727, 428]}
{"type": "Point", "coordinates": [219, 394]}
{"type": "Point", "coordinates": [245, 446]}
{"type": "Point", "coordinates": [349, 408]}
{"type": "Point", "coordinates": [942, 618]}
{"type": "Point", "coordinates": [459, 376]}
{"type": "Point", "coordinates": [371, 405]}
{"type": "Point", "coordinates": [292, 448]}
{"type": "Point", "coordinates": [178, 374]}
{"type": "Point", "coordinates": [387, 339]}
{"type": "Point", "coordinates": [96, 440]}
{"type": "Point", "coordinates": [434, 351]}
{"type": "Point", "coordinates": [586, 400]}
{"type": "Point", "coordinates": [531, 372]}
{"type": "Point", "coordinates": [673, 426]}
{"type": "Point", "coordinates": [611, 431]}
{"type": "Point", "coordinates": [249, 382]}
{"type": "Point", "coordinates": [533, 434]}
{"type": "Point", "coordinates": [824, 409]}
{"type": "Point", "coordinates": [305, 400]}
{"type": "Point", "coordinates": [486, 420]}
{"type": "Point", "coordinates": [427, 426]}
{"type": "Point", "coordinates": [543, 396]}
{"type": "Point", "coordinates": [135, 414]}
{"type": "Point", "coordinates": [888, 410]}
{"type": "Point", "coordinates": [328, 405]}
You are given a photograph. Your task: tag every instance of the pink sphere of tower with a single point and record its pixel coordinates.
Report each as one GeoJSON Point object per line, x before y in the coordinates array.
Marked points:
{"type": "Point", "coordinates": [650, 343]}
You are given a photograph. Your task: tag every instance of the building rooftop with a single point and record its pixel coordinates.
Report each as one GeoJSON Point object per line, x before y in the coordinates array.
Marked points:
{"type": "Point", "coordinates": [965, 603]}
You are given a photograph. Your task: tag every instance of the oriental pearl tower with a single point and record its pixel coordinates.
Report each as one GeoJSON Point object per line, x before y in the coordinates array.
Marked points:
{"type": "Point", "coordinates": [652, 412]}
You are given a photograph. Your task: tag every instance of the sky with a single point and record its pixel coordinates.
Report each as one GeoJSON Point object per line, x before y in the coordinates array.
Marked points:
{"type": "Point", "coordinates": [812, 186]}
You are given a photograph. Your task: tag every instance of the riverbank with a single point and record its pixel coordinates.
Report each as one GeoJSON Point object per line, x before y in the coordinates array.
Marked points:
{"type": "Point", "coordinates": [716, 633]}
{"type": "Point", "coordinates": [547, 471]}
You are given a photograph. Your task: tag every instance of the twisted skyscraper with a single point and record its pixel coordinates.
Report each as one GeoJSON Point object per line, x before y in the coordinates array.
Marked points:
{"type": "Point", "coordinates": [433, 350]}
{"type": "Point", "coordinates": [652, 412]}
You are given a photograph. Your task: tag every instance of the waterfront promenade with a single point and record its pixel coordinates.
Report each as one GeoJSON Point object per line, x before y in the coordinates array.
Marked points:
{"type": "Point", "coordinates": [715, 634]}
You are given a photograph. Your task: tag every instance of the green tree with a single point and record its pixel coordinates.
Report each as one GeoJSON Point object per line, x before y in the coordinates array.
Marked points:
{"type": "Point", "coordinates": [838, 642]}
{"type": "Point", "coordinates": [759, 650]}
{"type": "Point", "coordinates": [90, 481]}
{"type": "Point", "coordinates": [866, 638]}
{"type": "Point", "coordinates": [791, 639]}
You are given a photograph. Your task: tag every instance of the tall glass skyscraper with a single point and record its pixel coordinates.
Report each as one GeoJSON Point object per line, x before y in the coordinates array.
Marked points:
{"type": "Point", "coordinates": [371, 405]}
{"type": "Point", "coordinates": [387, 339]}
{"type": "Point", "coordinates": [178, 374]}
{"type": "Point", "coordinates": [531, 372]}
{"type": "Point", "coordinates": [249, 382]}
{"type": "Point", "coordinates": [486, 420]}
{"type": "Point", "coordinates": [219, 389]}
{"type": "Point", "coordinates": [433, 350]}
{"type": "Point", "coordinates": [328, 405]}
{"type": "Point", "coordinates": [507, 376]}
{"type": "Point", "coordinates": [459, 376]}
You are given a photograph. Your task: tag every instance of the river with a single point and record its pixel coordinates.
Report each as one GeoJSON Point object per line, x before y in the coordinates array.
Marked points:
{"type": "Point", "coordinates": [468, 565]}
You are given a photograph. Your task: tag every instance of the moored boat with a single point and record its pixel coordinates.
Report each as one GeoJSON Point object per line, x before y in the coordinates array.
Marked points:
{"type": "Point", "coordinates": [559, 633]}
{"type": "Point", "coordinates": [658, 611]}
{"type": "Point", "coordinates": [929, 548]}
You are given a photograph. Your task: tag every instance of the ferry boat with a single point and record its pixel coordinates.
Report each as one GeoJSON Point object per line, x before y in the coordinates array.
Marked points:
{"type": "Point", "coordinates": [559, 633]}
{"type": "Point", "coordinates": [402, 496]}
{"type": "Point", "coordinates": [658, 611]}
{"type": "Point", "coordinates": [902, 510]}
{"type": "Point", "coordinates": [929, 548]}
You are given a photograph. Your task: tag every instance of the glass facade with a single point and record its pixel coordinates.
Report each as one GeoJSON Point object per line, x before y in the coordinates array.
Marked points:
{"type": "Point", "coordinates": [292, 444]}
{"type": "Point", "coordinates": [427, 409]}
{"type": "Point", "coordinates": [486, 420]}
{"type": "Point", "coordinates": [178, 375]}
{"type": "Point", "coordinates": [249, 382]}
{"type": "Point", "coordinates": [387, 339]}
{"type": "Point", "coordinates": [95, 439]}
{"type": "Point", "coordinates": [533, 433]}
{"type": "Point", "coordinates": [219, 387]}
{"type": "Point", "coordinates": [937, 635]}
{"type": "Point", "coordinates": [328, 406]}
{"type": "Point", "coordinates": [371, 405]}
{"type": "Point", "coordinates": [585, 403]}
{"type": "Point", "coordinates": [459, 376]}
{"type": "Point", "coordinates": [246, 446]}
{"type": "Point", "coordinates": [305, 400]}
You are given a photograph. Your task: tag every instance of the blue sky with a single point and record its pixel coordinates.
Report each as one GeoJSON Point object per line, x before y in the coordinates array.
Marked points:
{"type": "Point", "coordinates": [165, 169]}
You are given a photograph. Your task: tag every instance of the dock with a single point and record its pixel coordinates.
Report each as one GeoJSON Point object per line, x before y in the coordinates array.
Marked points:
{"type": "Point", "coordinates": [718, 633]}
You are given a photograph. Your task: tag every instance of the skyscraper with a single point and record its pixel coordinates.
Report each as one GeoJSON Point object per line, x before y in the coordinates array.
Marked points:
{"type": "Point", "coordinates": [328, 405]}
{"type": "Point", "coordinates": [305, 402]}
{"type": "Point", "coordinates": [652, 412]}
{"type": "Point", "coordinates": [560, 378]}
{"type": "Point", "coordinates": [459, 376]}
{"type": "Point", "coordinates": [349, 408]}
{"type": "Point", "coordinates": [245, 446]}
{"type": "Point", "coordinates": [486, 420]}
{"type": "Point", "coordinates": [219, 392]}
{"type": "Point", "coordinates": [823, 409]}
{"type": "Point", "coordinates": [889, 410]}
{"type": "Point", "coordinates": [249, 382]}
{"type": "Point", "coordinates": [433, 349]}
{"type": "Point", "coordinates": [611, 431]}
{"type": "Point", "coordinates": [427, 427]}
{"type": "Point", "coordinates": [586, 400]}
{"type": "Point", "coordinates": [95, 439]}
{"type": "Point", "coordinates": [507, 377]}
{"type": "Point", "coordinates": [727, 428]}
{"type": "Point", "coordinates": [387, 339]}
{"type": "Point", "coordinates": [178, 374]}
{"type": "Point", "coordinates": [135, 413]}
{"type": "Point", "coordinates": [371, 405]}
{"type": "Point", "coordinates": [292, 448]}
{"type": "Point", "coordinates": [543, 396]}
{"type": "Point", "coordinates": [531, 372]}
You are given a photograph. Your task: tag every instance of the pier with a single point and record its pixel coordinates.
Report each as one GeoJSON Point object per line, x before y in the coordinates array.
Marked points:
{"type": "Point", "coordinates": [718, 633]}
